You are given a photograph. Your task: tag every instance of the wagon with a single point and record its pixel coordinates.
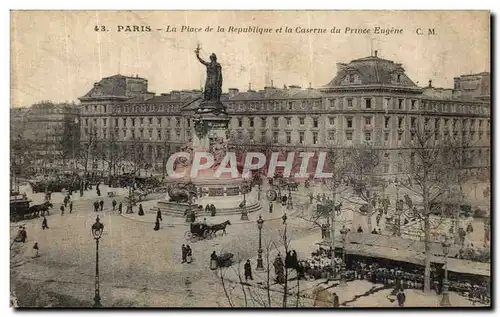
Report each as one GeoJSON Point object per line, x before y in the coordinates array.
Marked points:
{"type": "Point", "coordinates": [198, 231]}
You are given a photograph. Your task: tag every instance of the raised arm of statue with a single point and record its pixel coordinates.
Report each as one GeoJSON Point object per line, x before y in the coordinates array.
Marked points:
{"type": "Point", "coordinates": [200, 59]}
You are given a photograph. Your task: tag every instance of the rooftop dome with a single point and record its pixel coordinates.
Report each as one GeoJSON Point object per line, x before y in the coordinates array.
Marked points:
{"type": "Point", "coordinates": [371, 70]}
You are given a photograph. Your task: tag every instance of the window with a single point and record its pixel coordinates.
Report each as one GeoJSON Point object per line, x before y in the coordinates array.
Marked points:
{"type": "Point", "coordinates": [178, 134]}
{"type": "Point", "coordinates": [386, 162]}
{"type": "Point", "coordinates": [351, 78]}
{"type": "Point", "coordinates": [436, 135]}
{"type": "Point", "coordinates": [133, 134]}
{"type": "Point", "coordinates": [250, 122]}
{"type": "Point", "coordinates": [141, 133]}
{"type": "Point", "coordinates": [349, 103]}
{"type": "Point", "coordinates": [368, 136]}
{"type": "Point", "coordinates": [368, 122]}
{"type": "Point", "coordinates": [331, 120]}
{"type": "Point", "coordinates": [401, 104]}
{"type": "Point", "coordinates": [290, 105]}
{"type": "Point", "coordinates": [95, 121]}
{"type": "Point", "coordinates": [288, 121]}
{"type": "Point", "coordinates": [276, 122]}
{"type": "Point", "coordinates": [104, 108]}
{"type": "Point", "coordinates": [177, 122]}
{"type": "Point", "coordinates": [150, 120]}
{"type": "Point", "coordinates": [400, 136]}
{"type": "Point", "coordinates": [413, 123]}
{"type": "Point", "coordinates": [472, 135]}
{"type": "Point", "coordinates": [331, 135]}
{"type": "Point", "coordinates": [104, 134]}
{"type": "Point", "coordinates": [400, 123]}
{"type": "Point", "coordinates": [386, 122]}
{"type": "Point", "coordinates": [133, 122]}
{"type": "Point", "coordinates": [86, 122]}
{"type": "Point", "coordinates": [480, 135]}
{"type": "Point", "coordinates": [315, 137]}
{"type": "Point", "coordinates": [150, 133]}
{"type": "Point", "coordinates": [275, 137]}
{"type": "Point", "coordinates": [263, 121]}
{"type": "Point", "coordinates": [263, 136]}
{"type": "Point", "coordinates": [142, 121]}
{"type": "Point", "coordinates": [349, 122]}
{"type": "Point", "coordinates": [333, 103]}
{"type": "Point", "coordinates": [436, 124]}
{"type": "Point", "coordinates": [288, 137]}
{"type": "Point", "coordinates": [116, 122]}
{"type": "Point", "coordinates": [159, 135]}
{"type": "Point", "coordinates": [413, 104]}
{"type": "Point", "coordinates": [104, 121]}
{"type": "Point", "coordinates": [386, 136]}
{"type": "Point", "coordinates": [240, 122]}
{"type": "Point", "coordinates": [348, 136]}
{"type": "Point", "coordinates": [315, 122]}
{"type": "Point", "coordinates": [368, 103]}
{"type": "Point", "coordinates": [301, 120]}
{"type": "Point", "coordinates": [301, 137]}
{"type": "Point", "coordinates": [398, 78]}
{"type": "Point", "coordinates": [412, 136]}
{"type": "Point", "coordinates": [387, 101]}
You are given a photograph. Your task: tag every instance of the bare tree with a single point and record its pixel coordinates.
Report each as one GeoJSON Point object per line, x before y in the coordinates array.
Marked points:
{"type": "Point", "coordinates": [109, 150]}
{"type": "Point", "coordinates": [86, 150]}
{"type": "Point", "coordinates": [428, 175]}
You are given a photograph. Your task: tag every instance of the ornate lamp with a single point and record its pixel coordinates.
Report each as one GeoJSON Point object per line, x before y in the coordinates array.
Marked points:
{"type": "Point", "coordinates": [97, 229]}
{"type": "Point", "coordinates": [260, 265]}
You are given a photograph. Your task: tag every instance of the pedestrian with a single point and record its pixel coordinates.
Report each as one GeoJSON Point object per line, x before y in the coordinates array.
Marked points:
{"type": "Point", "coordinates": [335, 300]}
{"type": "Point", "coordinates": [62, 210]}
{"type": "Point", "coordinates": [158, 214]}
{"type": "Point", "coordinates": [81, 191]}
{"type": "Point", "coordinates": [360, 230]}
{"type": "Point", "coordinates": [189, 254]}
{"type": "Point", "coordinates": [214, 261]}
{"type": "Point", "coordinates": [120, 208]}
{"type": "Point", "coordinates": [70, 206]}
{"type": "Point", "coordinates": [271, 207]}
{"type": "Point", "coordinates": [96, 206]}
{"type": "Point", "coordinates": [248, 271]}
{"type": "Point", "coordinates": [207, 208]}
{"type": "Point", "coordinates": [157, 225]}
{"type": "Point", "coordinates": [295, 260]}
{"type": "Point", "coordinates": [65, 201]}
{"type": "Point", "coordinates": [374, 231]}
{"type": "Point", "coordinates": [114, 204]}
{"type": "Point", "coordinates": [35, 247]}
{"type": "Point", "coordinates": [311, 198]}
{"type": "Point", "coordinates": [184, 252]}
{"type": "Point", "coordinates": [44, 223]}
{"type": "Point", "coordinates": [101, 203]}
{"type": "Point", "coordinates": [401, 298]}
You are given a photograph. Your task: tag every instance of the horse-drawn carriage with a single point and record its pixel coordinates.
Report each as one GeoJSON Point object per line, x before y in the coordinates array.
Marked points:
{"type": "Point", "coordinates": [20, 209]}
{"type": "Point", "coordinates": [198, 231]}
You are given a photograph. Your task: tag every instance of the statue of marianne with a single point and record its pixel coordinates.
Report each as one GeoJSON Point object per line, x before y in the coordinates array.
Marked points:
{"type": "Point", "coordinates": [213, 84]}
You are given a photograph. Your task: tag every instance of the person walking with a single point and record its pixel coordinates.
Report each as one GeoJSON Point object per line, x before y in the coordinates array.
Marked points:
{"type": "Point", "coordinates": [184, 252]}
{"type": "Point", "coordinates": [44, 223]}
{"type": "Point", "coordinates": [335, 300]}
{"type": "Point", "coordinates": [157, 225]}
{"type": "Point", "coordinates": [35, 247]}
{"type": "Point", "coordinates": [158, 214]}
{"type": "Point", "coordinates": [101, 204]}
{"type": "Point", "coordinates": [70, 206]}
{"type": "Point", "coordinates": [401, 298]}
{"type": "Point", "coordinates": [189, 254]}
{"type": "Point", "coordinates": [270, 207]}
{"type": "Point", "coordinates": [114, 204]}
{"type": "Point", "coordinates": [248, 271]}
{"type": "Point", "coordinates": [120, 208]}
{"type": "Point", "coordinates": [62, 210]}
{"type": "Point", "coordinates": [141, 211]}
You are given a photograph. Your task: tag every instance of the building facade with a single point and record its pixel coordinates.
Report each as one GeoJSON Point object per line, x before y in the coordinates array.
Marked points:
{"type": "Point", "coordinates": [369, 101]}
{"type": "Point", "coordinates": [51, 130]}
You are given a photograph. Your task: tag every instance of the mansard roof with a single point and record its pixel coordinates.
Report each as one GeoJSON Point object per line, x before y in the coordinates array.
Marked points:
{"type": "Point", "coordinates": [371, 70]}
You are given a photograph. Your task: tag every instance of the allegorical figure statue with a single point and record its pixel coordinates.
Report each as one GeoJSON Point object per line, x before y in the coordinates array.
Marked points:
{"type": "Point", "coordinates": [213, 84]}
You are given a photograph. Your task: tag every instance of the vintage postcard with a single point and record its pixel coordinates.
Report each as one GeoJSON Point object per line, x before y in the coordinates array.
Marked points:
{"type": "Point", "coordinates": [281, 159]}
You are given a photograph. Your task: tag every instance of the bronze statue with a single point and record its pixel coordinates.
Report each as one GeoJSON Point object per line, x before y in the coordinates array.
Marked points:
{"type": "Point", "coordinates": [213, 84]}
{"type": "Point", "coordinates": [182, 193]}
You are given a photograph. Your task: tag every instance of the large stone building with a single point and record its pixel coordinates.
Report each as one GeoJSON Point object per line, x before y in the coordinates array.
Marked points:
{"type": "Point", "coordinates": [50, 130]}
{"type": "Point", "coordinates": [369, 101]}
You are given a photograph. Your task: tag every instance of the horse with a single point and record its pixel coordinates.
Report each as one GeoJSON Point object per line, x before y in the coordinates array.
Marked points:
{"type": "Point", "coordinates": [44, 207]}
{"type": "Point", "coordinates": [218, 227]}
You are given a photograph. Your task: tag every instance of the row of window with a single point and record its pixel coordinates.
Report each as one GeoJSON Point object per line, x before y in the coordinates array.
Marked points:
{"type": "Point", "coordinates": [369, 122]}
{"type": "Point", "coordinates": [149, 133]}
{"type": "Point", "coordinates": [176, 122]}
{"type": "Point", "coordinates": [129, 108]}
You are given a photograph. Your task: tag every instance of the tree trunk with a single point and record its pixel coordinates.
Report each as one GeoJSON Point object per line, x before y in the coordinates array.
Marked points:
{"type": "Point", "coordinates": [456, 220]}
{"type": "Point", "coordinates": [427, 244]}
{"type": "Point", "coordinates": [369, 218]}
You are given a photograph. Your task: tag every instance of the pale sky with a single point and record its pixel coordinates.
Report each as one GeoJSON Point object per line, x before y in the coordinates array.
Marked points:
{"type": "Point", "coordinates": [57, 55]}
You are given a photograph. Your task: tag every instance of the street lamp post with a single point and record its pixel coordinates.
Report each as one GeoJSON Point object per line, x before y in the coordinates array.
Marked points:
{"type": "Point", "coordinates": [260, 266]}
{"type": "Point", "coordinates": [97, 229]}
{"type": "Point", "coordinates": [445, 300]}
{"type": "Point", "coordinates": [343, 232]}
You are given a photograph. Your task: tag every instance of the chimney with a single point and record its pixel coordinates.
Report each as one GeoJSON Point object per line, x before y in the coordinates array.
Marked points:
{"type": "Point", "coordinates": [272, 83]}
{"type": "Point", "coordinates": [249, 86]}
{"type": "Point", "coordinates": [430, 83]}
{"type": "Point", "coordinates": [233, 91]}
{"type": "Point", "coordinates": [376, 53]}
